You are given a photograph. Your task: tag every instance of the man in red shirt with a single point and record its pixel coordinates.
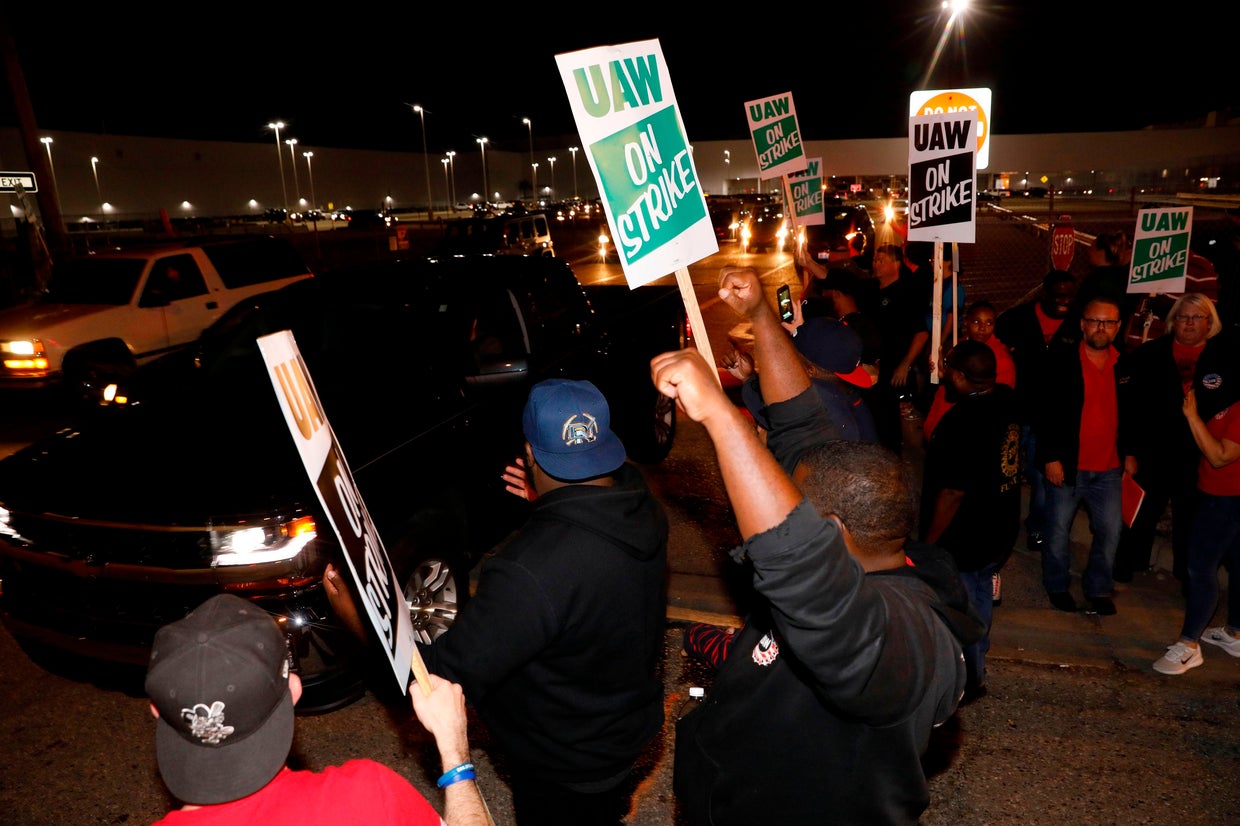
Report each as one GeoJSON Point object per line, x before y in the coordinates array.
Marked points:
{"type": "Point", "coordinates": [1078, 449]}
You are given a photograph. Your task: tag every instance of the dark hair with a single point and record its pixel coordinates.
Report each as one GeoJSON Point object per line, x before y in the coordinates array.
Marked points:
{"type": "Point", "coordinates": [1102, 298]}
{"type": "Point", "coordinates": [865, 485]}
{"type": "Point", "coordinates": [975, 360]}
{"type": "Point", "coordinates": [1057, 277]}
{"type": "Point", "coordinates": [892, 251]}
{"type": "Point", "coordinates": [1112, 245]}
{"type": "Point", "coordinates": [979, 305]}
{"type": "Point", "coordinates": [919, 252]}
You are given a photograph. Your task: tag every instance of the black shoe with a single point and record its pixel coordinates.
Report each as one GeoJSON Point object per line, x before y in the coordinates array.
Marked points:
{"type": "Point", "coordinates": [1064, 601]}
{"type": "Point", "coordinates": [1035, 541]}
{"type": "Point", "coordinates": [1103, 606]}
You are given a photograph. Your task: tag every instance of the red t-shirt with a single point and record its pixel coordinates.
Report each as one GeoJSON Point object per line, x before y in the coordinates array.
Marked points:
{"type": "Point", "coordinates": [359, 793]}
{"type": "Point", "coordinates": [1049, 325]}
{"type": "Point", "coordinates": [1225, 480]}
{"type": "Point", "coordinates": [1100, 415]}
{"type": "Point", "coordinates": [1186, 361]}
{"type": "Point", "coordinates": [1005, 368]}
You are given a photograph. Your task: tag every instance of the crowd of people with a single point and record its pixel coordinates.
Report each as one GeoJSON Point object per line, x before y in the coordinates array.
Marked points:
{"type": "Point", "coordinates": [872, 601]}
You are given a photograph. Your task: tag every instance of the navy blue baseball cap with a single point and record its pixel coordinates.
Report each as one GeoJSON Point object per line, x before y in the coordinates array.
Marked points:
{"type": "Point", "coordinates": [568, 426]}
{"type": "Point", "coordinates": [834, 346]}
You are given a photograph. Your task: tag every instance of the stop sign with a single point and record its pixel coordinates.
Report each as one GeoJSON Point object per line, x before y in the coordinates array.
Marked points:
{"type": "Point", "coordinates": [1063, 244]}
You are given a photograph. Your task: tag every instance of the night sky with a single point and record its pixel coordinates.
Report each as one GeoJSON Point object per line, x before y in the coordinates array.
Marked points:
{"type": "Point", "coordinates": [343, 75]}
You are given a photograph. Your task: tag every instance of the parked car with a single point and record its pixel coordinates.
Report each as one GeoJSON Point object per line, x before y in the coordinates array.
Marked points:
{"type": "Point", "coordinates": [526, 234]}
{"type": "Point", "coordinates": [106, 313]}
{"type": "Point", "coordinates": [829, 242]}
{"type": "Point", "coordinates": [193, 485]}
{"type": "Point", "coordinates": [765, 228]}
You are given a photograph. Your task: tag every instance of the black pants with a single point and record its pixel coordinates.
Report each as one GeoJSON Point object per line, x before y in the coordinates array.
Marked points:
{"type": "Point", "coordinates": [541, 803]}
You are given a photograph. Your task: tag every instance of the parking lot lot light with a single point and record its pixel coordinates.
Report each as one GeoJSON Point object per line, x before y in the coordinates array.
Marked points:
{"type": "Point", "coordinates": [278, 125]}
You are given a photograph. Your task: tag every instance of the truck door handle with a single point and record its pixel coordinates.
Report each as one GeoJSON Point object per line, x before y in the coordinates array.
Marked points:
{"type": "Point", "coordinates": [213, 305]}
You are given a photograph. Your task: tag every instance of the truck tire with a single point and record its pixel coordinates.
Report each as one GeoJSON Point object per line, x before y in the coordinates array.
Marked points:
{"type": "Point", "coordinates": [88, 369]}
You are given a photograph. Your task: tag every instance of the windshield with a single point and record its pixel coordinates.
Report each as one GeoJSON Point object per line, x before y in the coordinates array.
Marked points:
{"type": "Point", "coordinates": [95, 281]}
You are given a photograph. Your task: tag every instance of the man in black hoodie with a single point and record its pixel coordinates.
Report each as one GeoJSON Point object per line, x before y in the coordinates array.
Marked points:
{"type": "Point", "coordinates": [559, 648]}
{"type": "Point", "coordinates": [825, 703]}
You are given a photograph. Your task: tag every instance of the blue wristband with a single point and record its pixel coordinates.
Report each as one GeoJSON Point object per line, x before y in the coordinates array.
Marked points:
{"type": "Point", "coordinates": [465, 771]}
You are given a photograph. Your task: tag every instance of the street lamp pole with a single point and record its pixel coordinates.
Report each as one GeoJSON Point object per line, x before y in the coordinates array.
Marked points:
{"type": "Point", "coordinates": [486, 196]}
{"type": "Point", "coordinates": [552, 162]}
{"type": "Point", "coordinates": [314, 204]}
{"type": "Point", "coordinates": [727, 168]}
{"type": "Point", "coordinates": [426, 162]}
{"type": "Point", "coordinates": [530, 126]}
{"type": "Point", "coordinates": [447, 185]}
{"type": "Point", "coordinates": [94, 169]}
{"type": "Point", "coordinates": [452, 174]}
{"type": "Point", "coordinates": [278, 125]}
{"type": "Point", "coordinates": [534, 183]}
{"type": "Point", "coordinates": [573, 149]}
{"type": "Point", "coordinates": [55, 189]}
{"type": "Point", "coordinates": [292, 159]}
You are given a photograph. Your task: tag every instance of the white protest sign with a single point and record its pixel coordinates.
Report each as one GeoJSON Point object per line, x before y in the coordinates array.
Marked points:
{"type": "Point", "coordinates": [942, 181]}
{"type": "Point", "coordinates": [805, 191]}
{"type": "Point", "coordinates": [626, 114]}
{"type": "Point", "coordinates": [374, 580]}
{"type": "Point", "coordinates": [1160, 250]}
{"type": "Point", "coordinates": [948, 101]}
{"type": "Point", "coordinates": [776, 137]}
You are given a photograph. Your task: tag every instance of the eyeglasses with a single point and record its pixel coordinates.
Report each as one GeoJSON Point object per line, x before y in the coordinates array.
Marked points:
{"type": "Point", "coordinates": [1102, 322]}
{"type": "Point", "coordinates": [1196, 319]}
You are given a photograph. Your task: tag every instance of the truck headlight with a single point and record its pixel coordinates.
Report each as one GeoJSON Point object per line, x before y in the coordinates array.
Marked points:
{"type": "Point", "coordinates": [23, 355]}
{"type": "Point", "coordinates": [241, 545]}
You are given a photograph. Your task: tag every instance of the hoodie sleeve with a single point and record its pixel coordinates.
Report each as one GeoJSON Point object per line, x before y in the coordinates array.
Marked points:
{"type": "Point", "coordinates": [869, 642]}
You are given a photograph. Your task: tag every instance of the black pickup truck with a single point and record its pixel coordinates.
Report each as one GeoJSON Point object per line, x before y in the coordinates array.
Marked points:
{"type": "Point", "coordinates": [187, 483]}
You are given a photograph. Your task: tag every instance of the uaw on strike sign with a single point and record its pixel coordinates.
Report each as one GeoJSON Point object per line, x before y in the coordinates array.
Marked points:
{"type": "Point", "coordinates": [374, 580]}
{"type": "Point", "coordinates": [942, 178]}
{"type": "Point", "coordinates": [626, 114]}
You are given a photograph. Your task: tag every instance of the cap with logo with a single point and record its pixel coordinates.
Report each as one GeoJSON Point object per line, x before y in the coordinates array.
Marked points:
{"type": "Point", "coordinates": [568, 426]}
{"type": "Point", "coordinates": [219, 679]}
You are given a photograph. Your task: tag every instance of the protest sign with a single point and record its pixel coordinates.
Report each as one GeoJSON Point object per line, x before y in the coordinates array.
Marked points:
{"type": "Point", "coordinates": [373, 579]}
{"type": "Point", "coordinates": [626, 113]}
{"type": "Point", "coordinates": [805, 194]}
{"type": "Point", "coordinates": [776, 137]}
{"type": "Point", "coordinates": [942, 181]}
{"type": "Point", "coordinates": [948, 101]}
{"type": "Point", "coordinates": [1160, 250]}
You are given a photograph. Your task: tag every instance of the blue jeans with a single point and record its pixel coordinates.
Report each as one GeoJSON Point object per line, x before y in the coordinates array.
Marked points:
{"type": "Point", "coordinates": [1035, 520]}
{"type": "Point", "coordinates": [980, 588]}
{"type": "Point", "coordinates": [1215, 539]}
{"type": "Point", "coordinates": [1100, 491]}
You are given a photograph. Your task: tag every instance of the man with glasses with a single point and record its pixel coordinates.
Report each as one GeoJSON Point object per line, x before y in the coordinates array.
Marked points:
{"type": "Point", "coordinates": [1153, 379]}
{"type": "Point", "coordinates": [1079, 450]}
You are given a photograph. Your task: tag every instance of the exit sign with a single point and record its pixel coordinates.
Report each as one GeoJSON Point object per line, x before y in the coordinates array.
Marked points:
{"type": "Point", "coordinates": [10, 181]}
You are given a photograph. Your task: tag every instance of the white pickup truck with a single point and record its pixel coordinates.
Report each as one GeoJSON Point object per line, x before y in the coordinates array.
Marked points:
{"type": "Point", "coordinates": [105, 314]}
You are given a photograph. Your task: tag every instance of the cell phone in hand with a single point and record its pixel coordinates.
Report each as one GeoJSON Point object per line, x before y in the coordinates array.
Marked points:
{"type": "Point", "coordinates": [784, 294]}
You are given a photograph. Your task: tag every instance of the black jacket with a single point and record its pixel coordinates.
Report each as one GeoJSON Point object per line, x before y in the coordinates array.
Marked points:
{"type": "Point", "coordinates": [559, 648]}
{"type": "Point", "coordinates": [825, 704]}
{"type": "Point", "coordinates": [1059, 404]}
{"type": "Point", "coordinates": [1151, 399]}
{"type": "Point", "coordinates": [1019, 329]}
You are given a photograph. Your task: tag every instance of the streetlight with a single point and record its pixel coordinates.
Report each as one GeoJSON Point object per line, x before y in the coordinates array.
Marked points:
{"type": "Point", "coordinates": [452, 174]}
{"type": "Point", "coordinates": [482, 143]}
{"type": "Point", "coordinates": [573, 149]}
{"type": "Point", "coordinates": [534, 183]}
{"type": "Point", "coordinates": [291, 143]}
{"type": "Point", "coordinates": [446, 183]}
{"type": "Point", "coordinates": [530, 127]}
{"type": "Point", "coordinates": [94, 169]}
{"type": "Point", "coordinates": [426, 162]}
{"type": "Point", "coordinates": [55, 189]}
{"type": "Point", "coordinates": [314, 204]}
{"type": "Point", "coordinates": [727, 170]}
{"type": "Point", "coordinates": [552, 162]}
{"type": "Point", "coordinates": [278, 125]}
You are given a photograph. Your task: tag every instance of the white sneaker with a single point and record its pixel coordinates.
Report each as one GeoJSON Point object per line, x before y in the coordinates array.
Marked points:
{"type": "Point", "coordinates": [1220, 637]}
{"type": "Point", "coordinates": [1178, 659]}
